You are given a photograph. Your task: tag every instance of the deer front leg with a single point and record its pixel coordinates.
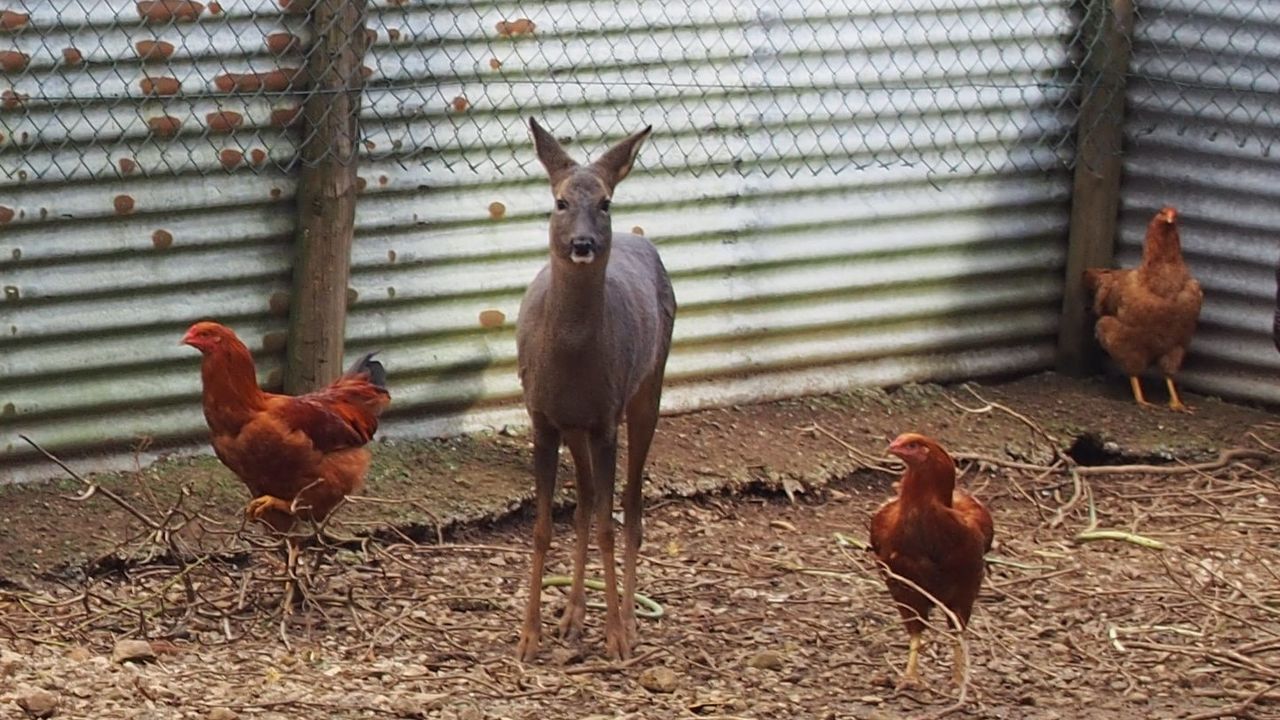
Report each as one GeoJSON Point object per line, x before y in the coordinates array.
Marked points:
{"type": "Point", "coordinates": [604, 455]}
{"type": "Point", "coordinates": [546, 449]}
{"type": "Point", "coordinates": [575, 611]}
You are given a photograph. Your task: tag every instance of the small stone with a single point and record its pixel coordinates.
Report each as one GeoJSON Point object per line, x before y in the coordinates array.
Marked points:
{"type": "Point", "coordinates": [659, 679]}
{"type": "Point", "coordinates": [10, 663]}
{"type": "Point", "coordinates": [470, 712]}
{"type": "Point", "coordinates": [38, 703]}
{"type": "Point", "coordinates": [222, 714]}
{"type": "Point", "coordinates": [132, 651]}
{"type": "Point", "coordinates": [766, 660]}
{"type": "Point", "coordinates": [79, 654]}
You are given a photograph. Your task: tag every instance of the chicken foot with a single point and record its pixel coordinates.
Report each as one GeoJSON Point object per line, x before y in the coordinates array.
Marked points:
{"type": "Point", "coordinates": [1175, 402]}
{"type": "Point", "coordinates": [259, 506]}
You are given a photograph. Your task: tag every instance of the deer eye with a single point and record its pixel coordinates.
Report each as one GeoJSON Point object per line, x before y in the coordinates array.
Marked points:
{"type": "Point", "coordinates": [562, 204]}
{"type": "Point", "coordinates": [605, 204]}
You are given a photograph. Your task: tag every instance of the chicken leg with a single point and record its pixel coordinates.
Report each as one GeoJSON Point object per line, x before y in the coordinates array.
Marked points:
{"type": "Point", "coordinates": [1175, 402]}
{"type": "Point", "coordinates": [1136, 386]}
{"type": "Point", "coordinates": [911, 676]}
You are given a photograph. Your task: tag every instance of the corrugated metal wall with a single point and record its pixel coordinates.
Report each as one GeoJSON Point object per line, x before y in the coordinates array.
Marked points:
{"type": "Point", "coordinates": [849, 255]}
{"type": "Point", "coordinates": [115, 238]}
{"type": "Point", "coordinates": [1202, 130]}
{"type": "Point", "coordinates": [893, 218]}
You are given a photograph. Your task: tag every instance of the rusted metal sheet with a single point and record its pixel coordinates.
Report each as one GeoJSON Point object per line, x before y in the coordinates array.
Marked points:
{"type": "Point", "coordinates": [1202, 126]}
{"type": "Point", "coordinates": [845, 193]}
{"type": "Point", "coordinates": [114, 236]}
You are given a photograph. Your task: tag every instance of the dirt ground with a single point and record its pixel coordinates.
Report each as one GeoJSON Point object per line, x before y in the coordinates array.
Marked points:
{"type": "Point", "coordinates": [768, 614]}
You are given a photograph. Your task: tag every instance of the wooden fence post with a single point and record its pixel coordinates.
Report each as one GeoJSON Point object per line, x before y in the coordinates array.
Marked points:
{"type": "Point", "coordinates": [1095, 196]}
{"type": "Point", "coordinates": [326, 194]}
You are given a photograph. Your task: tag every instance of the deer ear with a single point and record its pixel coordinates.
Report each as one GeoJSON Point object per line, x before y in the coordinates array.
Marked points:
{"type": "Point", "coordinates": [616, 164]}
{"type": "Point", "coordinates": [553, 157]}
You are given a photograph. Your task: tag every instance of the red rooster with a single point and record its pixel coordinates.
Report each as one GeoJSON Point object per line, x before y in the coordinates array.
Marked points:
{"type": "Point", "coordinates": [935, 536]}
{"type": "Point", "coordinates": [299, 456]}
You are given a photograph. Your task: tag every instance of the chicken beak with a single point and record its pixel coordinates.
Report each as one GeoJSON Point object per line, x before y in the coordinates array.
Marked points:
{"type": "Point", "coordinates": [188, 339]}
{"type": "Point", "coordinates": [1169, 215]}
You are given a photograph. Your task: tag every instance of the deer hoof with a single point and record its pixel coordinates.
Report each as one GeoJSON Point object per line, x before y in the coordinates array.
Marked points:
{"type": "Point", "coordinates": [527, 648]}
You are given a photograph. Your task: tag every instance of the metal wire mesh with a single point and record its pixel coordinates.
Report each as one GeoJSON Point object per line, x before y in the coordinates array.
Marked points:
{"type": "Point", "coordinates": [100, 88]}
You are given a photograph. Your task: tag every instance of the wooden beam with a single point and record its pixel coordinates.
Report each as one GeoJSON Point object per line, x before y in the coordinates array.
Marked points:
{"type": "Point", "coordinates": [326, 195]}
{"type": "Point", "coordinates": [1095, 196]}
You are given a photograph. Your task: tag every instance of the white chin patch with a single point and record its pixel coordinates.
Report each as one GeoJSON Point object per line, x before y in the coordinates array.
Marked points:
{"type": "Point", "coordinates": [583, 259]}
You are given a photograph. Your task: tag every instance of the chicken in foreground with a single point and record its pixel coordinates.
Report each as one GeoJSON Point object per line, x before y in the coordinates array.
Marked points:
{"type": "Point", "coordinates": [1148, 314]}
{"type": "Point", "coordinates": [935, 536]}
{"type": "Point", "coordinates": [299, 456]}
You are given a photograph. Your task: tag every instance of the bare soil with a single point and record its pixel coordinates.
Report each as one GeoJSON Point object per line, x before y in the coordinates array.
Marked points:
{"type": "Point", "coordinates": [767, 613]}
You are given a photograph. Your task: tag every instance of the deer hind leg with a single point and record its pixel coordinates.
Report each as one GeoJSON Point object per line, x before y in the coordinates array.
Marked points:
{"type": "Point", "coordinates": [604, 461]}
{"type": "Point", "coordinates": [546, 451]}
{"type": "Point", "coordinates": [642, 419]}
{"type": "Point", "coordinates": [575, 611]}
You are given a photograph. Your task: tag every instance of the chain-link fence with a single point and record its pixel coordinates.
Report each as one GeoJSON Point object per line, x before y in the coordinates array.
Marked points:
{"type": "Point", "coordinates": [94, 88]}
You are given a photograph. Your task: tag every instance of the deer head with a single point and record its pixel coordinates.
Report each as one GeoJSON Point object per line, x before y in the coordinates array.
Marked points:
{"type": "Point", "coordinates": [581, 227]}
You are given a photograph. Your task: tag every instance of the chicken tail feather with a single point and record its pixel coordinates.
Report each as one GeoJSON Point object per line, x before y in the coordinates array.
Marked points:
{"type": "Point", "coordinates": [366, 365]}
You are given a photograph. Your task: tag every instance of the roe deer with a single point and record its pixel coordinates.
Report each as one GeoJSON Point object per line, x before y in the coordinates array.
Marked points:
{"type": "Point", "coordinates": [592, 341]}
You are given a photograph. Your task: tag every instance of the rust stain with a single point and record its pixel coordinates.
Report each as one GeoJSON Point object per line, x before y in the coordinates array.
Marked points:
{"type": "Point", "coordinates": [370, 36]}
{"type": "Point", "coordinates": [497, 210]}
{"type": "Point", "coordinates": [370, 145]}
{"type": "Point", "coordinates": [516, 28]}
{"type": "Point", "coordinates": [17, 253]}
{"type": "Point", "coordinates": [637, 230]}
{"type": "Point", "coordinates": [383, 180]}
{"type": "Point", "coordinates": [11, 292]}
{"type": "Point", "coordinates": [3, 137]}
{"type": "Point", "coordinates": [276, 193]}
{"type": "Point", "coordinates": [162, 86]}
{"type": "Point", "coordinates": [165, 125]}
{"type": "Point", "coordinates": [495, 63]}
{"type": "Point", "coordinates": [492, 318]}
{"type": "Point", "coordinates": [224, 120]}
{"type": "Point", "coordinates": [12, 61]}
{"type": "Point", "coordinates": [127, 165]}
{"type": "Point", "coordinates": [9, 409]}
{"type": "Point", "coordinates": [215, 8]}
{"type": "Point", "coordinates": [258, 156]}
{"type": "Point", "coordinates": [391, 256]}
{"type": "Point", "coordinates": [12, 19]}
{"type": "Point", "coordinates": [398, 3]}
{"type": "Point", "coordinates": [230, 158]}
{"type": "Point", "coordinates": [10, 100]}
{"type": "Point", "coordinates": [123, 204]}
{"type": "Point", "coordinates": [278, 303]}
{"type": "Point", "coordinates": [153, 49]}
{"type": "Point", "coordinates": [283, 42]}
{"type": "Point", "coordinates": [294, 6]}
{"type": "Point", "coordinates": [393, 33]}
{"type": "Point", "coordinates": [391, 292]}
{"type": "Point", "coordinates": [460, 104]}
{"type": "Point", "coordinates": [366, 72]}
{"type": "Point", "coordinates": [284, 117]}
{"type": "Point", "coordinates": [6, 214]}
{"type": "Point", "coordinates": [361, 184]}
{"type": "Point", "coordinates": [162, 11]}
{"type": "Point", "coordinates": [274, 342]}
{"type": "Point", "coordinates": [162, 239]}
{"type": "Point", "coordinates": [352, 296]}
{"type": "Point", "coordinates": [270, 81]}
{"type": "Point", "coordinates": [72, 56]}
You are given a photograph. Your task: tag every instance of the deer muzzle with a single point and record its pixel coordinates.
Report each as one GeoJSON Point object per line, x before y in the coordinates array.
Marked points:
{"type": "Point", "coordinates": [582, 250]}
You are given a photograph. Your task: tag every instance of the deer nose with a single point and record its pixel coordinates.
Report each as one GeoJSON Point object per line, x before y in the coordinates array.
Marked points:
{"type": "Point", "coordinates": [582, 245]}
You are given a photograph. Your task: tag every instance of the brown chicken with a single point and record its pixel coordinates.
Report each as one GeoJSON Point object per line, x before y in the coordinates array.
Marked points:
{"type": "Point", "coordinates": [1148, 314]}
{"type": "Point", "coordinates": [934, 535]}
{"type": "Point", "coordinates": [299, 456]}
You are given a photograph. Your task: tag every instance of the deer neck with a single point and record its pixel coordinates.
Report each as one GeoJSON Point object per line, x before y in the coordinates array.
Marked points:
{"type": "Point", "coordinates": [577, 312]}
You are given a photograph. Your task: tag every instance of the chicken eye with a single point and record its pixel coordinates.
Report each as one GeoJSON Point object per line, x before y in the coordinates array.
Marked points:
{"type": "Point", "coordinates": [562, 204]}
{"type": "Point", "coordinates": [605, 204]}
